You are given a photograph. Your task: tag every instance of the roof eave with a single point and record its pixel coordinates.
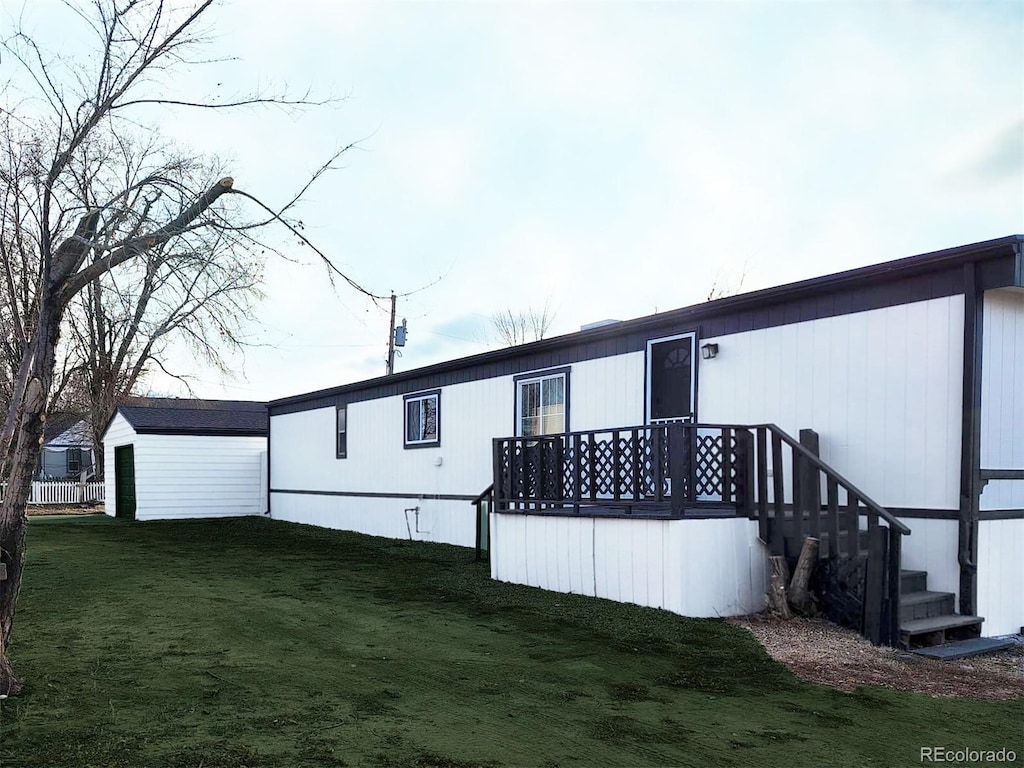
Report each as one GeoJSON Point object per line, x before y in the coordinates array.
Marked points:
{"type": "Point", "coordinates": [889, 270]}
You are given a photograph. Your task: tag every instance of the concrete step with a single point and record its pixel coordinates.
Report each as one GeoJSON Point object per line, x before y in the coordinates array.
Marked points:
{"type": "Point", "coordinates": [964, 649]}
{"type": "Point", "coordinates": [913, 581]}
{"type": "Point", "coordinates": [925, 605]}
{"type": "Point", "coordinates": [939, 630]}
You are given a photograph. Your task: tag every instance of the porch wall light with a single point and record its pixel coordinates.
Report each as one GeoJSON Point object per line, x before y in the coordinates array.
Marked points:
{"type": "Point", "coordinates": [708, 351]}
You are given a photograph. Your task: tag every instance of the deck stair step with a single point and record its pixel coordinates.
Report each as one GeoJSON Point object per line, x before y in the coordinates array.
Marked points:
{"type": "Point", "coordinates": [926, 605]}
{"type": "Point", "coordinates": [939, 630]}
{"type": "Point", "coordinates": [928, 618]}
{"type": "Point", "coordinates": [964, 649]}
{"type": "Point", "coordinates": [913, 581]}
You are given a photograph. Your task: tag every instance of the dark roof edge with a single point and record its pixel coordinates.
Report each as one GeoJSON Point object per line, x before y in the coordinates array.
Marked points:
{"type": "Point", "coordinates": [887, 270]}
{"type": "Point", "coordinates": [203, 432]}
{"type": "Point", "coordinates": [152, 431]}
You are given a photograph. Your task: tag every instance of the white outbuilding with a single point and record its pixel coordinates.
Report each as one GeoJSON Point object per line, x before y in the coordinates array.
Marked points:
{"type": "Point", "coordinates": [169, 458]}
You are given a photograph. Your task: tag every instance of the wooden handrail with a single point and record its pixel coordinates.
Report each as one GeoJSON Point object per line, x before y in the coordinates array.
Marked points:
{"type": "Point", "coordinates": [874, 506]}
{"type": "Point", "coordinates": [484, 494]}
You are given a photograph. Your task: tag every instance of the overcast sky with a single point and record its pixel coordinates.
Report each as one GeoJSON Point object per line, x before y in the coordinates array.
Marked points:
{"type": "Point", "coordinates": [610, 159]}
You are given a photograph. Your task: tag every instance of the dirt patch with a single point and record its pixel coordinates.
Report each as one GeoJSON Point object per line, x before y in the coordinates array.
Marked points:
{"type": "Point", "coordinates": [821, 652]}
{"type": "Point", "coordinates": [43, 510]}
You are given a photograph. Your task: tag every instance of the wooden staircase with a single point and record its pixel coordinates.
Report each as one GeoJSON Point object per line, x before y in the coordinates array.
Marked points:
{"type": "Point", "coordinates": [929, 618]}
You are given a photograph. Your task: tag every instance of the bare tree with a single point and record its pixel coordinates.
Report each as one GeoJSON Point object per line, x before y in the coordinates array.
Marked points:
{"type": "Point", "coordinates": [722, 287]}
{"type": "Point", "coordinates": [61, 122]}
{"type": "Point", "coordinates": [120, 326]}
{"type": "Point", "coordinates": [519, 327]}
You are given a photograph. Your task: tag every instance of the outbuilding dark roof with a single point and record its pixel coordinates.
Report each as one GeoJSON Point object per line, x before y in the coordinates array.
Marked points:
{"type": "Point", "coordinates": [179, 416]}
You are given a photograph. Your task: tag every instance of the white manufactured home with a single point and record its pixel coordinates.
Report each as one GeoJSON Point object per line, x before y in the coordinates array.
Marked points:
{"type": "Point", "coordinates": [168, 458]}
{"type": "Point", "coordinates": [661, 460]}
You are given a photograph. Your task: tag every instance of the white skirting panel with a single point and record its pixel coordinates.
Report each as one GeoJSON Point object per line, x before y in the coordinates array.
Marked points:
{"type": "Point", "coordinates": [701, 568]}
{"type": "Point", "coordinates": [450, 522]}
{"type": "Point", "coordinates": [1001, 576]}
{"type": "Point", "coordinates": [932, 546]}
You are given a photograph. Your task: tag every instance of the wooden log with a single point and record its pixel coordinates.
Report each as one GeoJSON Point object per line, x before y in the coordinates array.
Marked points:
{"type": "Point", "coordinates": [799, 592]}
{"type": "Point", "coordinates": [777, 586]}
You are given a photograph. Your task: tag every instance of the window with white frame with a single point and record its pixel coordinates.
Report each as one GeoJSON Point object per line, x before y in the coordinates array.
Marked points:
{"type": "Point", "coordinates": [542, 403]}
{"type": "Point", "coordinates": [423, 419]}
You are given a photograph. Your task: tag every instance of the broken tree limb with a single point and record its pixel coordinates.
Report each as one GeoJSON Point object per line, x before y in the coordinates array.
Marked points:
{"type": "Point", "coordinates": [777, 586]}
{"type": "Point", "coordinates": [799, 592]}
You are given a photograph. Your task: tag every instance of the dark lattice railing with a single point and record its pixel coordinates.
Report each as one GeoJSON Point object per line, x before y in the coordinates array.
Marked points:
{"type": "Point", "coordinates": [658, 466]}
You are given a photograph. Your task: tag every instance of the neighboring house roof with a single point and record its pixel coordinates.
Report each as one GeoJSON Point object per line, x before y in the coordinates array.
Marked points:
{"type": "Point", "coordinates": [178, 416]}
{"type": "Point", "coordinates": [66, 430]}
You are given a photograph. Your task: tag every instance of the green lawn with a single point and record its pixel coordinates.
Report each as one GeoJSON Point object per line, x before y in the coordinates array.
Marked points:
{"type": "Point", "coordinates": [257, 643]}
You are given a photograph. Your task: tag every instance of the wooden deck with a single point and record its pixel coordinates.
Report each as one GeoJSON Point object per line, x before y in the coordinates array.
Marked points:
{"type": "Point", "coordinates": [679, 470]}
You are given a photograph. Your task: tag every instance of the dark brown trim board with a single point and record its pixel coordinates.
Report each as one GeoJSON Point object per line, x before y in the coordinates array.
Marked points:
{"type": "Point", "coordinates": [1001, 514]}
{"type": "Point", "coordinates": [970, 440]}
{"type": "Point", "coordinates": [917, 513]}
{"type": "Point", "coordinates": [269, 426]}
{"type": "Point", "coordinates": [203, 432]}
{"type": "Point", "coordinates": [373, 495]}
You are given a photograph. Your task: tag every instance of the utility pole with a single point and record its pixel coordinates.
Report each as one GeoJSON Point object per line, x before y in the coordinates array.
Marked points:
{"type": "Point", "coordinates": [391, 339]}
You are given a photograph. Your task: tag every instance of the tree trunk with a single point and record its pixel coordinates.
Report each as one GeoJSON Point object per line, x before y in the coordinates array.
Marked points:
{"type": "Point", "coordinates": [777, 586]}
{"type": "Point", "coordinates": [26, 441]}
{"type": "Point", "coordinates": [799, 592]}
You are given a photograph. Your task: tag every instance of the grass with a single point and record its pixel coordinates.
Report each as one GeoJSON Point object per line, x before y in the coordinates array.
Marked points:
{"type": "Point", "coordinates": [245, 643]}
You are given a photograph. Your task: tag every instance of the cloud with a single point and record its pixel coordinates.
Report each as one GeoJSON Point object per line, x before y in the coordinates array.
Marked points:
{"type": "Point", "coordinates": [1000, 159]}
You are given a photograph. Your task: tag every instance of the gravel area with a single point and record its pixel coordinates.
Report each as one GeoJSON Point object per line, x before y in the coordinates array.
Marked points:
{"type": "Point", "coordinates": [821, 652]}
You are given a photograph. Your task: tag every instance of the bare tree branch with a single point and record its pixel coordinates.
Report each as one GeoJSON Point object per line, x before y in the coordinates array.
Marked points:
{"type": "Point", "coordinates": [117, 260]}
{"type": "Point", "coordinates": [512, 328]}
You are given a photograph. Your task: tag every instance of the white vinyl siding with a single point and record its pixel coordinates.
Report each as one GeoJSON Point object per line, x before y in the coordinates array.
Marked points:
{"type": "Point", "coordinates": [607, 392]}
{"type": "Point", "coordinates": [705, 568]}
{"type": "Point", "coordinates": [473, 414]}
{"type": "Point", "coordinates": [1001, 576]}
{"type": "Point", "coordinates": [1002, 396]}
{"type": "Point", "coordinates": [882, 388]}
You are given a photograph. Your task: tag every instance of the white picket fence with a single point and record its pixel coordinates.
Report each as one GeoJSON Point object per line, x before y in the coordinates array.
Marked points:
{"type": "Point", "coordinates": [62, 492]}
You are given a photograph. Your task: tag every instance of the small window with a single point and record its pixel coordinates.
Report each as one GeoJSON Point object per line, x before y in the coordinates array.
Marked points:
{"type": "Point", "coordinates": [342, 424]}
{"type": "Point", "coordinates": [74, 461]}
{"type": "Point", "coordinates": [423, 420]}
{"type": "Point", "coordinates": [541, 404]}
